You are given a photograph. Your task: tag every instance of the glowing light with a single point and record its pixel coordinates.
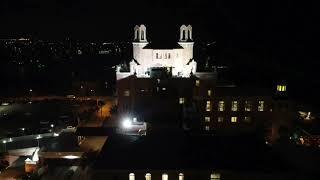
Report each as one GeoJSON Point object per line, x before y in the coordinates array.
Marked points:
{"type": "Point", "coordinates": [71, 157]}
{"type": "Point", "coordinates": [52, 125]}
{"type": "Point", "coordinates": [127, 123]}
{"type": "Point", "coordinates": [55, 134]}
{"type": "Point", "coordinates": [4, 104]}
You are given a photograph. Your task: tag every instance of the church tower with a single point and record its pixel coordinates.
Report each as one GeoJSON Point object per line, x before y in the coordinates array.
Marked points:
{"type": "Point", "coordinates": [186, 42]}
{"type": "Point", "coordinates": [139, 42]}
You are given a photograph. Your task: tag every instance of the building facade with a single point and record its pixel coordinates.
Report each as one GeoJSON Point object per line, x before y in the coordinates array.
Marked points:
{"type": "Point", "coordinates": [164, 86]}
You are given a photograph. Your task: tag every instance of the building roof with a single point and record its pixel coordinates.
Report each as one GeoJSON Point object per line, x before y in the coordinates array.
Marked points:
{"type": "Point", "coordinates": [173, 149]}
{"type": "Point", "coordinates": [232, 90]}
{"type": "Point", "coordinates": [163, 45]}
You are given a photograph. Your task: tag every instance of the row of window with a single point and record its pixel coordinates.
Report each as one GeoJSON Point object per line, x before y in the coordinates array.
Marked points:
{"type": "Point", "coordinates": [233, 119]}
{"type": "Point", "coordinates": [213, 176]}
{"type": "Point", "coordinates": [163, 56]}
{"type": "Point", "coordinates": [235, 106]}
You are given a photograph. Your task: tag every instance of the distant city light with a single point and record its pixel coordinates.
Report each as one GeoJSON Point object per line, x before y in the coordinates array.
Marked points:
{"type": "Point", "coordinates": [52, 125]}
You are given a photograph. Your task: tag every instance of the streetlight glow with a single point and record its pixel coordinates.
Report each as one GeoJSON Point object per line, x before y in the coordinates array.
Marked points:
{"type": "Point", "coordinates": [127, 123]}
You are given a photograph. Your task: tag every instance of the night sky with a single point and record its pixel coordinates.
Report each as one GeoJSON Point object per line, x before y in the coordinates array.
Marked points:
{"type": "Point", "coordinates": [245, 31]}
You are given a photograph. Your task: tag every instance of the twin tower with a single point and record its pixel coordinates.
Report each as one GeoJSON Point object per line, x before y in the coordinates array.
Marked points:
{"type": "Point", "coordinates": [140, 33]}
{"type": "Point", "coordinates": [147, 60]}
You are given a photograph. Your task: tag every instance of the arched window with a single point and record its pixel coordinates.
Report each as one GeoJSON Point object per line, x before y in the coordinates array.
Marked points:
{"type": "Point", "coordinates": [215, 176]}
{"type": "Point", "coordinates": [142, 35]}
{"type": "Point", "coordinates": [131, 176]}
{"type": "Point", "coordinates": [137, 34]}
{"type": "Point", "coordinates": [148, 176]}
{"type": "Point", "coordinates": [181, 176]}
{"type": "Point", "coordinates": [183, 35]}
{"type": "Point", "coordinates": [189, 34]}
{"type": "Point", "coordinates": [165, 176]}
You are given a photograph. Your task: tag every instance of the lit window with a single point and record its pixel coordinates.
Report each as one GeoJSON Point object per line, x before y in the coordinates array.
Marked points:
{"type": "Point", "coordinates": [197, 83]}
{"type": "Point", "coordinates": [208, 106]}
{"type": "Point", "coordinates": [234, 106]}
{"type": "Point", "coordinates": [181, 176]}
{"type": "Point", "coordinates": [158, 81]}
{"type": "Point", "coordinates": [131, 176]}
{"type": "Point", "coordinates": [234, 119]}
{"type": "Point", "coordinates": [148, 176]}
{"type": "Point", "coordinates": [209, 92]}
{"type": "Point", "coordinates": [207, 128]}
{"type": "Point", "coordinates": [247, 119]}
{"type": "Point", "coordinates": [181, 100]}
{"type": "Point", "coordinates": [207, 119]}
{"type": "Point", "coordinates": [261, 106]}
{"type": "Point", "coordinates": [165, 177]}
{"type": "Point", "coordinates": [220, 119]}
{"type": "Point", "coordinates": [126, 93]}
{"type": "Point", "coordinates": [163, 89]}
{"type": "Point", "coordinates": [221, 106]}
{"type": "Point", "coordinates": [215, 176]}
{"type": "Point", "coordinates": [247, 105]}
{"type": "Point", "coordinates": [281, 88]}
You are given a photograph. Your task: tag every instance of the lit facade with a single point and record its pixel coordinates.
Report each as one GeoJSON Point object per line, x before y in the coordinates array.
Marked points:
{"type": "Point", "coordinates": [177, 60]}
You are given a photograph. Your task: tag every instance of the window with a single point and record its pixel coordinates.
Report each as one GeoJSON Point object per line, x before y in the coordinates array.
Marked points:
{"type": "Point", "coordinates": [181, 176]}
{"type": "Point", "coordinates": [209, 92]}
{"type": "Point", "coordinates": [234, 106]}
{"type": "Point", "coordinates": [165, 177]}
{"type": "Point", "coordinates": [181, 100]}
{"type": "Point", "coordinates": [207, 119]}
{"type": "Point", "coordinates": [247, 105]}
{"type": "Point", "coordinates": [261, 106]}
{"type": "Point", "coordinates": [157, 56]}
{"type": "Point", "coordinates": [207, 128]}
{"type": "Point", "coordinates": [281, 88]}
{"type": "Point", "coordinates": [247, 119]}
{"type": "Point", "coordinates": [220, 119]}
{"type": "Point", "coordinates": [221, 106]}
{"type": "Point", "coordinates": [165, 55]}
{"type": "Point", "coordinates": [169, 56]}
{"type": "Point", "coordinates": [215, 176]}
{"type": "Point", "coordinates": [148, 176]}
{"type": "Point", "coordinates": [208, 106]}
{"type": "Point", "coordinates": [126, 93]}
{"type": "Point", "coordinates": [197, 83]}
{"type": "Point", "coordinates": [142, 35]}
{"type": "Point", "coordinates": [234, 119]}
{"type": "Point", "coordinates": [131, 176]}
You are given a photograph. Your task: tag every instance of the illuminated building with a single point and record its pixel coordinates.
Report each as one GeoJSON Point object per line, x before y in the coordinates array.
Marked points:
{"type": "Point", "coordinates": [164, 86]}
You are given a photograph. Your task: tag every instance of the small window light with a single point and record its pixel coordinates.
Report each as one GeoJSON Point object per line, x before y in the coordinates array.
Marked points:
{"type": "Point", "coordinates": [260, 105]}
{"type": "Point", "coordinates": [207, 128]}
{"type": "Point", "coordinates": [181, 100]}
{"type": "Point", "coordinates": [234, 119]}
{"type": "Point", "coordinates": [197, 83]}
{"type": "Point", "coordinates": [281, 88]}
{"type": "Point", "coordinates": [126, 93]}
{"type": "Point", "coordinates": [207, 119]}
{"type": "Point", "coordinates": [209, 92]}
{"type": "Point", "coordinates": [208, 106]}
{"type": "Point", "coordinates": [221, 106]}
